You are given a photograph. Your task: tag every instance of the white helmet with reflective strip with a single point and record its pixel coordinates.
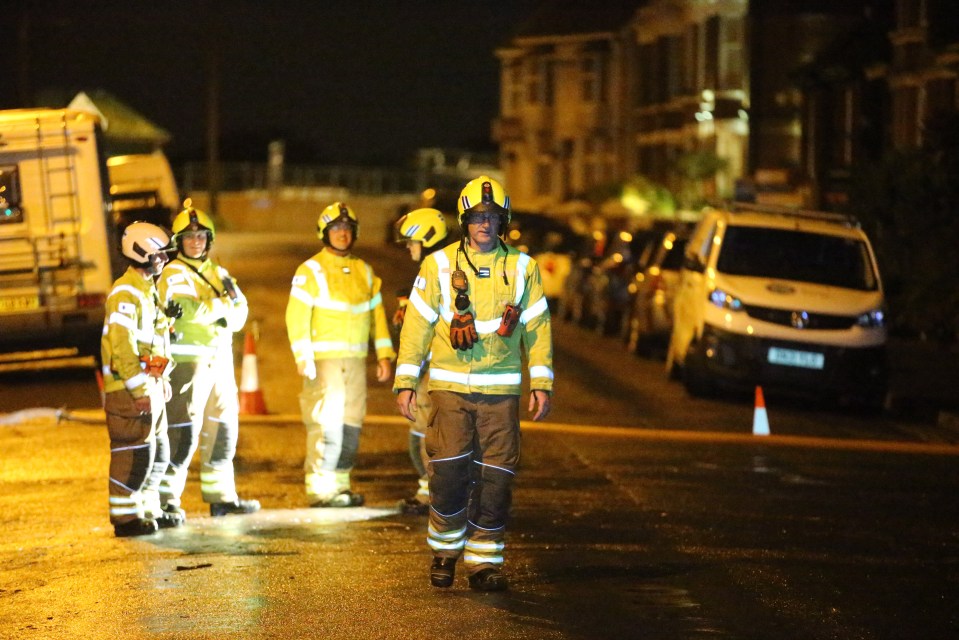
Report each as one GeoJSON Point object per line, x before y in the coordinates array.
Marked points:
{"type": "Point", "coordinates": [143, 240]}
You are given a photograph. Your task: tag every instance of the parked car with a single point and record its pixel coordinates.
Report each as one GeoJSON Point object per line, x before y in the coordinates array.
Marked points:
{"type": "Point", "coordinates": [785, 299]}
{"type": "Point", "coordinates": [652, 291]}
{"type": "Point", "coordinates": [549, 241]}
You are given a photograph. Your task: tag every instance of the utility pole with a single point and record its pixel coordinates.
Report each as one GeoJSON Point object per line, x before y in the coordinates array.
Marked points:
{"type": "Point", "coordinates": [213, 173]}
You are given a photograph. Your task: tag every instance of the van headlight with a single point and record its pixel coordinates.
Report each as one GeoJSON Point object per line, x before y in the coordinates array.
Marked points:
{"type": "Point", "coordinates": [725, 300]}
{"type": "Point", "coordinates": [872, 319]}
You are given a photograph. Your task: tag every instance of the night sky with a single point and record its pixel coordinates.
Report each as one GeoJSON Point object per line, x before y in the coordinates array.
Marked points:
{"type": "Point", "coordinates": [342, 81]}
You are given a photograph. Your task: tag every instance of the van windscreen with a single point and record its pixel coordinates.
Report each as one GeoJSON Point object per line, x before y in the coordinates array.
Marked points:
{"type": "Point", "coordinates": [796, 255]}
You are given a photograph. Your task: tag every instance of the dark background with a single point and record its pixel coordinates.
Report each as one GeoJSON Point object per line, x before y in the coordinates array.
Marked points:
{"type": "Point", "coordinates": [341, 81]}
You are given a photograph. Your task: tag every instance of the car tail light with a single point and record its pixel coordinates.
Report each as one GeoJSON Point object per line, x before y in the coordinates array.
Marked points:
{"type": "Point", "coordinates": [90, 300]}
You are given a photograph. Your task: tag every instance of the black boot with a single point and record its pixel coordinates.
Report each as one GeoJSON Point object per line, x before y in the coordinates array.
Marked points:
{"type": "Point", "coordinates": [138, 527]}
{"type": "Point", "coordinates": [171, 517]}
{"type": "Point", "coordinates": [489, 579]}
{"type": "Point", "coordinates": [442, 571]}
{"type": "Point", "coordinates": [240, 507]}
{"type": "Point", "coordinates": [342, 499]}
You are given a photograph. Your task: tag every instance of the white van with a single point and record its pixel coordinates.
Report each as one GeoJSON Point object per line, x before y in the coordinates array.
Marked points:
{"type": "Point", "coordinates": [59, 226]}
{"type": "Point", "coordinates": [781, 298]}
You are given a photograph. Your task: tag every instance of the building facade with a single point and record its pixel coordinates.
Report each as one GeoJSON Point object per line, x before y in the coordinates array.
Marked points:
{"type": "Point", "coordinates": [687, 93]}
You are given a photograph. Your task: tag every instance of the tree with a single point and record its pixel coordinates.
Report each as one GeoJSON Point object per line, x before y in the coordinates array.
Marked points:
{"type": "Point", "coordinates": [909, 205]}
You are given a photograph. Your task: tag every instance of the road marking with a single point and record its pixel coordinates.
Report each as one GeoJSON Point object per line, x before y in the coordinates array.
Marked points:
{"type": "Point", "coordinates": [927, 448]}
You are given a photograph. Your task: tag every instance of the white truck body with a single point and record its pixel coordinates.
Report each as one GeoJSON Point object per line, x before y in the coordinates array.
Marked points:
{"type": "Point", "coordinates": [58, 231]}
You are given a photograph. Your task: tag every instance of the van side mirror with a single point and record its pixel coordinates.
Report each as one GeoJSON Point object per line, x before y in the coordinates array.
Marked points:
{"type": "Point", "coordinates": [692, 263]}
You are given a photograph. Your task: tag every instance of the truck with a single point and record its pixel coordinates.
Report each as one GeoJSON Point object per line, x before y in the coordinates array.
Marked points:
{"type": "Point", "coordinates": [60, 222]}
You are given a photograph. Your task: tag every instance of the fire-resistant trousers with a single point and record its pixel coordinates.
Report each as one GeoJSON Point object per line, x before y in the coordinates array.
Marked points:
{"type": "Point", "coordinates": [204, 412]}
{"type": "Point", "coordinates": [138, 450]}
{"type": "Point", "coordinates": [417, 435]}
{"type": "Point", "coordinates": [333, 406]}
{"type": "Point", "coordinates": [473, 443]}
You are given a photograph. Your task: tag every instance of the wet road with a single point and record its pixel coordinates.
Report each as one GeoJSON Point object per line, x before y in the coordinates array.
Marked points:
{"type": "Point", "coordinates": [614, 535]}
{"type": "Point", "coordinates": [667, 520]}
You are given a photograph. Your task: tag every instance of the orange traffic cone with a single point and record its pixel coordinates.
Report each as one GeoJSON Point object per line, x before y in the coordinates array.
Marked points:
{"type": "Point", "coordinates": [760, 419]}
{"type": "Point", "coordinates": [251, 397]}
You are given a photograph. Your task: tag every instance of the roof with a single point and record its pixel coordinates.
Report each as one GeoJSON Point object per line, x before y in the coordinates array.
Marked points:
{"type": "Point", "coordinates": [120, 122]}
{"type": "Point", "coordinates": [571, 17]}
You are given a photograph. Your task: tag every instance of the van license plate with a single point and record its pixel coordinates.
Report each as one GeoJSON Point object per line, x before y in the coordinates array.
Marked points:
{"type": "Point", "coordinates": [14, 304]}
{"type": "Point", "coordinates": [793, 358]}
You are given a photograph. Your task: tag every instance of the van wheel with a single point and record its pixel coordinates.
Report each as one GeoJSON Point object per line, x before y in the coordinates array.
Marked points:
{"type": "Point", "coordinates": [696, 377]}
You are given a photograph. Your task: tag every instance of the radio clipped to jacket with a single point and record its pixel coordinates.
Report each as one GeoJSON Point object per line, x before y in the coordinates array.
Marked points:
{"type": "Point", "coordinates": [507, 324]}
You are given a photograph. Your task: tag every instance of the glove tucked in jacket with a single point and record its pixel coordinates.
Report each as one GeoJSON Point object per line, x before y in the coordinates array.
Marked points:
{"type": "Point", "coordinates": [463, 331]}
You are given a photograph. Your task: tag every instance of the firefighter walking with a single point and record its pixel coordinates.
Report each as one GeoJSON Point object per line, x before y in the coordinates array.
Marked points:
{"type": "Point", "coordinates": [136, 367]}
{"type": "Point", "coordinates": [478, 305]}
{"type": "Point", "coordinates": [335, 301]}
{"type": "Point", "coordinates": [204, 409]}
{"type": "Point", "coordinates": [423, 231]}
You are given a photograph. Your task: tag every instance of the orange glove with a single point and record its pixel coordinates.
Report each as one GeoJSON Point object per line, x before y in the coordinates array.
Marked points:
{"type": "Point", "coordinates": [463, 331]}
{"type": "Point", "coordinates": [400, 314]}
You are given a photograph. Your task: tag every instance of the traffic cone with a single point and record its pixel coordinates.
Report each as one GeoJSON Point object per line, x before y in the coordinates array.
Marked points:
{"type": "Point", "coordinates": [251, 397]}
{"type": "Point", "coordinates": [760, 419]}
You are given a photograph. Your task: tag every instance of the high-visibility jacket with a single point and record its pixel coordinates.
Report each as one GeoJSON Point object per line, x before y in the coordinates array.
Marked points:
{"type": "Point", "coordinates": [494, 364]}
{"type": "Point", "coordinates": [333, 303]}
{"type": "Point", "coordinates": [210, 316]}
{"type": "Point", "coordinates": [133, 327]}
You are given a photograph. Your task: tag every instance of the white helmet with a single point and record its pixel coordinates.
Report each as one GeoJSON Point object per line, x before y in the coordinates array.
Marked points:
{"type": "Point", "coordinates": [145, 244]}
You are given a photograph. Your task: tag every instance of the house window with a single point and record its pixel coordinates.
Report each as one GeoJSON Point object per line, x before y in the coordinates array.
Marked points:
{"type": "Point", "coordinates": [731, 50]}
{"type": "Point", "coordinates": [544, 182]}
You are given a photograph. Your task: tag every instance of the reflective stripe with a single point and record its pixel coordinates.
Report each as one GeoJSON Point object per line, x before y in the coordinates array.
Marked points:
{"type": "Point", "coordinates": [135, 446]}
{"type": "Point", "coordinates": [337, 345]}
{"type": "Point", "coordinates": [192, 350]}
{"type": "Point", "coordinates": [467, 454]}
{"type": "Point", "coordinates": [376, 300]}
{"type": "Point", "coordinates": [476, 379]}
{"type": "Point", "coordinates": [383, 343]}
{"type": "Point", "coordinates": [540, 371]}
{"type": "Point", "coordinates": [336, 305]}
{"type": "Point", "coordinates": [443, 263]}
{"type": "Point", "coordinates": [408, 370]}
{"type": "Point", "coordinates": [181, 289]}
{"type": "Point", "coordinates": [301, 295]}
{"type": "Point", "coordinates": [447, 535]}
{"type": "Point", "coordinates": [484, 327]}
{"type": "Point", "coordinates": [485, 546]}
{"type": "Point", "coordinates": [424, 309]}
{"type": "Point", "coordinates": [535, 310]}
{"type": "Point", "coordinates": [300, 346]}
{"type": "Point", "coordinates": [437, 545]}
{"type": "Point", "coordinates": [122, 486]}
{"type": "Point", "coordinates": [521, 262]}
{"type": "Point", "coordinates": [124, 321]}
{"type": "Point", "coordinates": [136, 381]}
{"type": "Point", "coordinates": [471, 558]}
{"type": "Point", "coordinates": [128, 289]}
{"type": "Point", "coordinates": [493, 466]}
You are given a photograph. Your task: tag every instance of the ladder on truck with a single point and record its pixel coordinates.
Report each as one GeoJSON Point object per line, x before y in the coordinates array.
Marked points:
{"type": "Point", "coordinates": [61, 202]}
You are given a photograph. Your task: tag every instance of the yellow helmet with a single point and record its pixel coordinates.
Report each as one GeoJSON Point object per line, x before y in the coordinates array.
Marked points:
{"type": "Point", "coordinates": [336, 212]}
{"type": "Point", "coordinates": [426, 225]}
{"type": "Point", "coordinates": [191, 219]}
{"type": "Point", "coordinates": [482, 195]}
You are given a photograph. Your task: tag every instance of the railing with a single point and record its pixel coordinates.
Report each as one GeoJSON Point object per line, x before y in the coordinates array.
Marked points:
{"type": "Point", "coordinates": [241, 176]}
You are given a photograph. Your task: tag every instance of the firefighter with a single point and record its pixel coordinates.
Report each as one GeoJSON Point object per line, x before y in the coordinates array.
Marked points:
{"type": "Point", "coordinates": [423, 231]}
{"type": "Point", "coordinates": [478, 305]}
{"type": "Point", "coordinates": [335, 299]}
{"type": "Point", "coordinates": [204, 410]}
{"type": "Point", "coordinates": [136, 367]}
